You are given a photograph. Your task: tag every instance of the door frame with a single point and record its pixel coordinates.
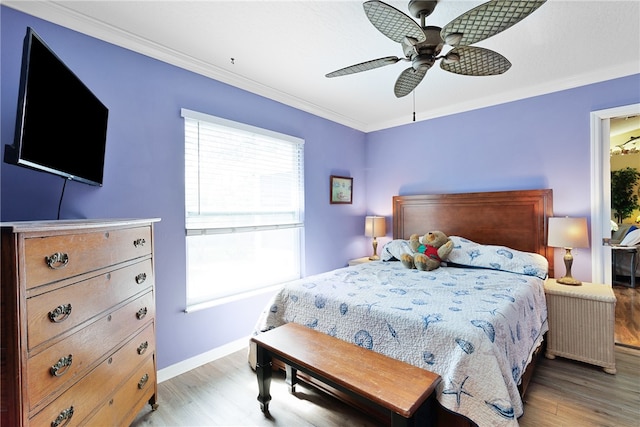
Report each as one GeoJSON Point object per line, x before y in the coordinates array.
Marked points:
{"type": "Point", "coordinates": [601, 189]}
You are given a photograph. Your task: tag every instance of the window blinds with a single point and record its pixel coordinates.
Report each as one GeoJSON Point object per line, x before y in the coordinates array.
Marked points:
{"type": "Point", "coordinates": [238, 177]}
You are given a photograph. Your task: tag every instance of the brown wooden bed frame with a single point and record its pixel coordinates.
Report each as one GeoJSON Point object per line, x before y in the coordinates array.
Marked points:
{"type": "Point", "coordinates": [516, 219]}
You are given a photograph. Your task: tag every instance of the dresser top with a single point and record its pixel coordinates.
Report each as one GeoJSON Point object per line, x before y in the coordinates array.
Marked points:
{"type": "Point", "coordinates": [72, 224]}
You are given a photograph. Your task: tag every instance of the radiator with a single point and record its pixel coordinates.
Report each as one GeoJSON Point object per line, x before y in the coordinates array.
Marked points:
{"type": "Point", "coordinates": [581, 323]}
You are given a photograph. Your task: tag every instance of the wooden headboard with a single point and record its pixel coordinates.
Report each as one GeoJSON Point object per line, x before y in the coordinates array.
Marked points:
{"type": "Point", "coordinates": [517, 219]}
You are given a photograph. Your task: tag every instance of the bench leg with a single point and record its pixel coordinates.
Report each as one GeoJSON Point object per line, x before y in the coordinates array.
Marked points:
{"type": "Point", "coordinates": [263, 373]}
{"type": "Point", "coordinates": [425, 416]}
{"type": "Point", "coordinates": [292, 378]}
{"type": "Point", "coordinates": [400, 421]}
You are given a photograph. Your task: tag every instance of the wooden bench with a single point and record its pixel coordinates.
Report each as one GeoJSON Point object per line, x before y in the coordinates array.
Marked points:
{"type": "Point", "coordinates": [406, 391]}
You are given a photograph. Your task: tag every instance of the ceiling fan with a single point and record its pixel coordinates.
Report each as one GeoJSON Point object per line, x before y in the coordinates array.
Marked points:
{"type": "Point", "coordinates": [422, 44]}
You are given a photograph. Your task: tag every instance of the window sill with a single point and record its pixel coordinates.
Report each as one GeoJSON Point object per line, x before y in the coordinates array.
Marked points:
{"type": "Point", "coordinates": [229, 299]}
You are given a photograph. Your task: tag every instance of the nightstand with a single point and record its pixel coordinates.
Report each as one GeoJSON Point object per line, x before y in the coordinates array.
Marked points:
{"type": "Point", "coordinates": [363, 260]}
{"type": "Point", "coordinates": [581, 323]}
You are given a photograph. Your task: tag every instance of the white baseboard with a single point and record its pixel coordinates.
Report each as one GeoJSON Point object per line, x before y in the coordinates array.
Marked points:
{"type": "Point", "coordinates": [201, 359]}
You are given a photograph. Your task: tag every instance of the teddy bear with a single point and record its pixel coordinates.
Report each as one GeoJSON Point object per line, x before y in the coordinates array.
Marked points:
{"type": "Point", "coordinates": [435, 248]}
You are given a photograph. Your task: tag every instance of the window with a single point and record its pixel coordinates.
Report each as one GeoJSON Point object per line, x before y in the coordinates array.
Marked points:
{"type": "Point", "coordinates": [244, 206]}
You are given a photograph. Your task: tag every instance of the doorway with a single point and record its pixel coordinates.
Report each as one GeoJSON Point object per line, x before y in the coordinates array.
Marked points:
{"type": "Point", "coordinates": [628, 304]}
{"type": "Point", "coordinates": [601, 189]}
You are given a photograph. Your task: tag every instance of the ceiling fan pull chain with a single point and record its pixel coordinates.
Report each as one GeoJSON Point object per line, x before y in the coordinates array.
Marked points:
{"type": "Point", "coordinates": [414, 105]}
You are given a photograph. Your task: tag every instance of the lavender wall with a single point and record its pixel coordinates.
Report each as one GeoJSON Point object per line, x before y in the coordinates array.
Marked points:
{"type": "Point", "coordinates": [540, 142]}
{"type": "Point", "coordinates": [144, 170]}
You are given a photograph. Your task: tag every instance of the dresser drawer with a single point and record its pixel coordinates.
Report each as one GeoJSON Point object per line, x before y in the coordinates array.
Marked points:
{"type": "Point", "coordinates": [70, 358]}
{"type": "Point", "coordinates": [79, 401]}
{"type": "Point", "coordinates": [50, 259]}
{"type": "Point", "coordinates": [137, 390]}
{"type": "Point", "coordinates": [53, 313]}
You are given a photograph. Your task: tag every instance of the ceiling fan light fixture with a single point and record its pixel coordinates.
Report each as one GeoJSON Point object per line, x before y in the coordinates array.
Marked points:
{"type": "Point", "coordinates": [451, 58]}
{"type": "Point", "coordinates": [453, 39]}
{"type": "Point", "coordinates": [423, 62]}
{"type": "Point", "coordinates": [409, 46]}
{"type": "Point", "coordinates": [409, 41]}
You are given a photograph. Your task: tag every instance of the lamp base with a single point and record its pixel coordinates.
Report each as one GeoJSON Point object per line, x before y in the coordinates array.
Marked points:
{"type": "Point", "coordinates": [568, 280]}
{"type": "Point", "coordinates": [375, 256]}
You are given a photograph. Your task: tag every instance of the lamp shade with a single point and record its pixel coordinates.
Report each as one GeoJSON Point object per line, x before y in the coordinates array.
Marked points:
{"type": "Point", "coordinates": [568, 233]}
{"type": "Point", "coordinates": [374, 226]}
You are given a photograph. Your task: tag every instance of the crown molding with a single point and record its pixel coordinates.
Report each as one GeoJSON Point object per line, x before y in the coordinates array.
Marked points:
{"type": "Point", "coordinates": [57, 13]}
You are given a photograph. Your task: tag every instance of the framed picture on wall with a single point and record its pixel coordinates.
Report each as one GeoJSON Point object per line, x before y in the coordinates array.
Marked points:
{"type": "Point", "coordinates": [341, 189]}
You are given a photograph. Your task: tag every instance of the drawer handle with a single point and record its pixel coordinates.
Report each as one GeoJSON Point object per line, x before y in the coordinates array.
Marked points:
{"type": "Point", "coordinates": [141, 313]}
{"type": "Point", "coordinates": [139, 242]}
{"type": "Point", "coordinates": [57, 261]}
{"type": "Point", "coordinates": [143, 381]}
{"type": "Point", "coordinates": [60, 313]}
{"type": "Point", "coordinates": [62, 366]}
{"type": "Point", "coordinates": [143, 347]}
{"type": "Point", "coordinates": [64, 416]}
{"type": "Point", "coordinates": [140, 278]}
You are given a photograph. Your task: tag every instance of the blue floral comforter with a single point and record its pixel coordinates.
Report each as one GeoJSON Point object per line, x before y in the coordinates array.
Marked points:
{"type": "Point", "coordinates": [476, 327]}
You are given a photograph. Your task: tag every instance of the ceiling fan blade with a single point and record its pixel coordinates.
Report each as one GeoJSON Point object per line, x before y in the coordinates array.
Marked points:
{"type": "Point", "coordinates": [475, 61]}
{"type": "Point", "coordinates": [408, 80]}
{"type": "Point", "coordinates": [487, 20]}
{"type": "Point", "coordinates": [391, 22]}
{"type": "Point", "coordinates": [364, 66]}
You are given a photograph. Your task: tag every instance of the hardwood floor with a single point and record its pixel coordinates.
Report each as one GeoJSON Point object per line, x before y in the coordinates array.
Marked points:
{"type": "Point", "coordinates": [569, 393]}
{"type": "Point", "coordinates": [627, 329]}
{"type": "Point", "coordinates": [223, 393]}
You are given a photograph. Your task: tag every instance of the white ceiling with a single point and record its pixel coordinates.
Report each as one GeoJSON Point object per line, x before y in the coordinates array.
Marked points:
{"type": "Point", "coordinates": [283, 49]}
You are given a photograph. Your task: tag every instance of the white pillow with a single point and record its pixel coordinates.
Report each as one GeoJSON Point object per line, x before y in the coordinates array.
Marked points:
{"type": "Point", "coordinates": [394, 250]}
{"type": "Point", "coordinates": [472, 254]}
{"type": "Point", "coordinates": [632, 238]}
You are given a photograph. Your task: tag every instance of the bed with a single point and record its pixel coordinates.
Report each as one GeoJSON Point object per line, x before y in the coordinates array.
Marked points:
{"type": "Point", "coordinates": [477, 322]}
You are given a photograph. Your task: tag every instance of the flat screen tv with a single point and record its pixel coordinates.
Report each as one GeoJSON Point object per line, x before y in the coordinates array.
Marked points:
{"type": "Point", "coordinates": [61, 126]}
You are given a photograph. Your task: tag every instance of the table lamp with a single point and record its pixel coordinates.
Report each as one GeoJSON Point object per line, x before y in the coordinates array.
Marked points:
{"type": "Point", "coordinates": [374, 226]}
{"type": "Point", "coordinates": [568, 233]}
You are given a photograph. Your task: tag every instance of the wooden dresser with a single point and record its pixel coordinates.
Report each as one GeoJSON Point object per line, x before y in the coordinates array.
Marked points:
{"type": "Point", "coordinates": [78, 322]}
